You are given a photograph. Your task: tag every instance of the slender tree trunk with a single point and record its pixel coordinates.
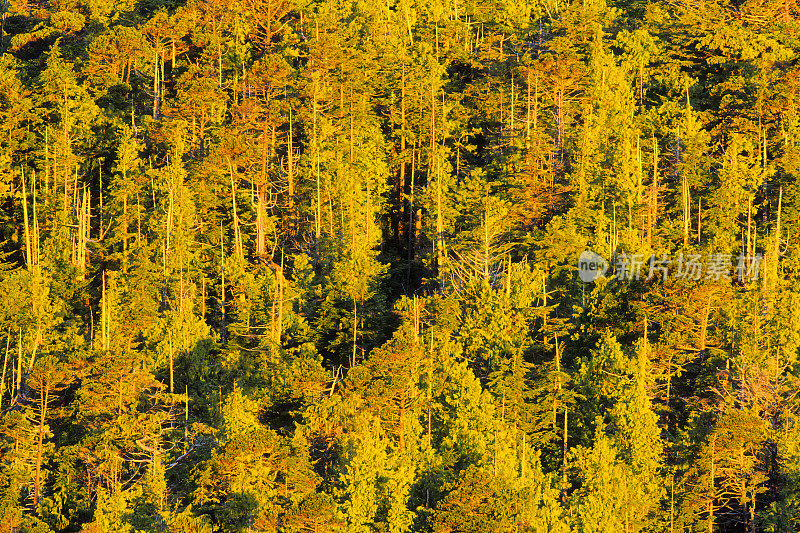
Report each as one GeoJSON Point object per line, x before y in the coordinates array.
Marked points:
{"type": "Point", "coordinates": [39, 444]}
{"type": "Point", "coordinates": [557, 394]}
{"type": "Point", "coordinates": [435, 167]}
{"type": "Point", "coordinates": [103, 317]}
{"type": "Point", "coordinates": [261, 191]}
{"type": "Point", "coordinates": [28, 262]}
{"type": "Point", "coordinates": [414, 222]}
{"type": "Point", "coordinates": [486, 243]}
{"type": "Point", "coordinates": [219, 53]}
{"type": "Point", "coordinates": [290, 180]}
{"type": "Point", "coordinates": [352, 192]}
{"type": "Point", "coordinates": [273, 311]}
{"type": "Point", "coordinates": [713, 489]}
{"type": "Point", "coordinates": [652, 217]}
{"type": "Point", "coordinates": [528, 149]}
{"type": "Point", "coordinates": [701, 343]}
{"type": "Point", "coordinates": [171, 368]}
{"type": "Point", "coordinates": [3, 379]}
{"type": "Point", "coordinates": [156, 88]}
{"type": "Point", "coordinates": [281, 284]}
{"type": "Point", "coordinates": [402, 179]}
{"type": "Point", "coordinates": [36, 236]}
{"type": "Point", "coordinates": [439, 222]}
{"type": "Point", "coordinates": [672, 504]}
{"type": "Point", "coordinates": [355, 331]}
{"type": "Point", "coordinates": [699, 213]}
{"type": "Point", "coordinates": [686, 210]}
{"type": "Point", "coordinates": [47, 162]}
{"type": "Point", "coordinates": [237, 234]}
{"type": "Point", "coordinates": [512, 112]}
{"type": "Point", "coordinates": [776, 247]}
{"type": "Point", "coordinates": [85, 225]}
{"type": "Point", "coordinates": [160, 83]}
{"type": "Point", "coordinates": [564, 465]}
{"type": "Point", "coordinates": [397, 216]}
{"type": "Point", "coordinates": [318, 207]}
{"type": "Point", "coordinates": [19, 364]}
{"type": "Point", "coordinates": [223, 326]}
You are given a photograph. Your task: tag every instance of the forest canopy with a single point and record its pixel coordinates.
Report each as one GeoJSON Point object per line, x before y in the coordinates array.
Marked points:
{"type": "Point", "coordinates": [422, 266]}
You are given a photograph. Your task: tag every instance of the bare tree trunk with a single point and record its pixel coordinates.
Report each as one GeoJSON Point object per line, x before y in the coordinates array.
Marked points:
{"type": "Point", "coordinates": [402, 179]}
{"type": "Point", "coordinates": [290, 180]}
{"type": "Point", "coordinates": [318, 207]}
{"type": "Point", "coordinates": [355, 331]}
{"type": "Point", "coordinates": [171, 368]}
{"type": "Point", "coordinates": [156, 88]}
{"type": "Point", "coordinates": [699, 212]}
{"type": "Point", "coordinates": [103, 314]}
{"type": "Point", "coordinates": [19, 364]}
{"type": "Point", "coordinates": [564, 465]}
{"type": "Point", "coordinates": [281, 284]}
{"type": "Point", "coordinates": [3, 379]}
{"type": "Point", "coordinates": [672, 504]}
{"type": "Point", "coordinates": [36, 236]}
{"type": "Point", "coordinates": [261, 215]}
{"type": "Point", "coordinates": [713, 490]}
{"type": "Point", "coordinates": [412, 226]}
{"type": "Point", "coordinates": [652, 216]}
{"type": "Point", "coordinates": [237, 234]}
{"type": "Point", "coordinates": [528, 143]}
{"type": "Point", "coordinates": [28, 261]}
{"type": "Point", "coordinates": [439, 222]}
{"type": "Point", "coordinates": [40, 445]}
{"type": "Point", "coordinates": [557, 394]}
{"type": "Point", "coordinates": [273, 322]}
{"type": "Point", "coordinates": [686, 210]}
{"type": "Point", "coordinates": [435, 166]}
{"type": "Point", "coordinates": [704, 324]}
{"type": "Point", "coordinates": [219, 52]}
{"type": "Point", "coordinates": [223, 326]}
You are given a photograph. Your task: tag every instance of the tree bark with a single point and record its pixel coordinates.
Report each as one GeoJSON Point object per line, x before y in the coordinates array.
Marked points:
{"type": "Point", "coordinates": [3, 379]}
{"type": "Point", "coordinates": [156, 88]}
{"type": "Point", "coordinates": [43, 400]}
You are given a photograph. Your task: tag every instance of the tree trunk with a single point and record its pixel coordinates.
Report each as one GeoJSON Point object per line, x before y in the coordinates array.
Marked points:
{"type": "Point", "coordinates": [39, 445]}
{"type": "Point", "coordinates": [261, 215]}
{"type": "Point", "coordinates": [701, 343]}
{"type": "Point", "coordinates": [402, 178]}
{"type": "Point", "coordinates": [652, 217]}
{"type": "Point", "coordinates": [19, 364]}
{"type": "Point", "coordinates": [564, 465]}
{"type": "Point", "coordinates": [237, 234]}
{"type": "Point", "coordinates": [156, 88]}
{"type": "Point", "coordinates": [28, 262]}
{"type": "Point", "coordinates": [3, 379]}
{"type": "Point", "coordinates": [318, 207]}
{"type": "Point", "coordinates": [686, 210]}
{"type": "Point", "coordinates": [699, 212]}
{"type": "Point", "coordinates": [412, 224]}
{"type": "Point", "coordinates": [223, 333]}
{"type": "Point", "coordinates": [557, 394]}
{"type": "Point", "coordinates": [36, 236]}
{"type": "Point", "coordinates": [290, 180]}
{"type": "Point", "coordinates": [281, 283]}
{"type": "Point", "coordinates": [711, 481]}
